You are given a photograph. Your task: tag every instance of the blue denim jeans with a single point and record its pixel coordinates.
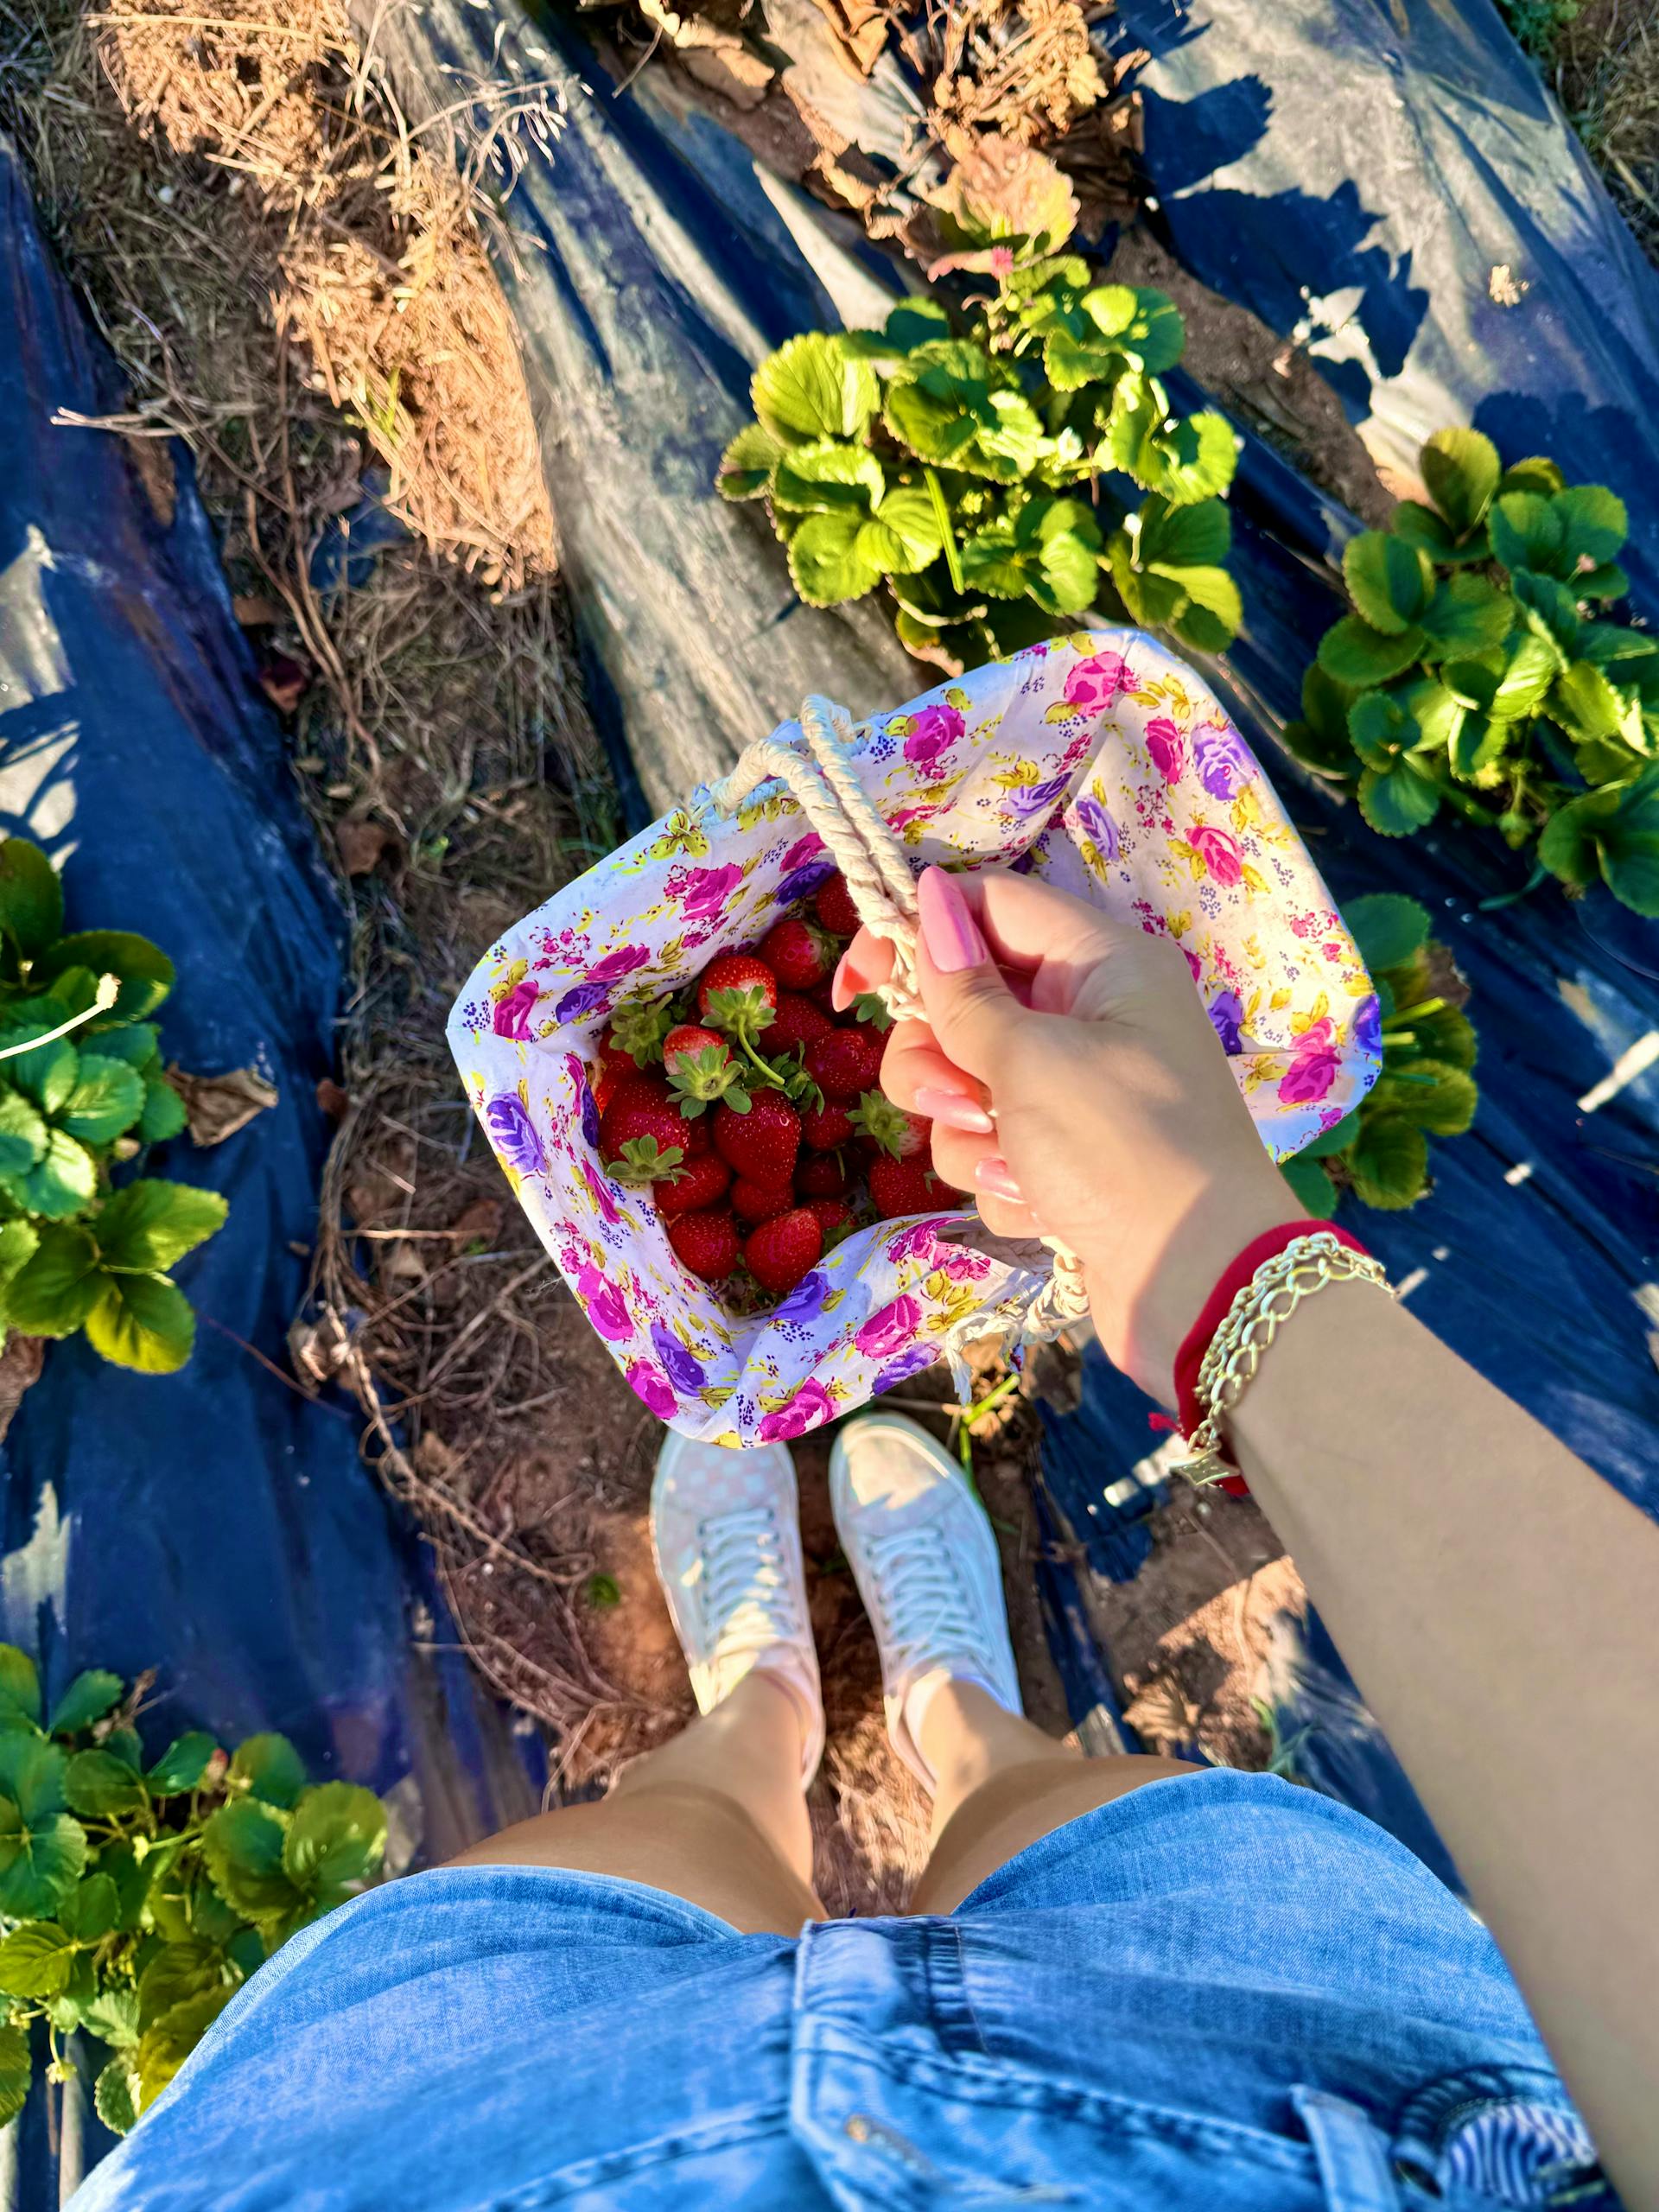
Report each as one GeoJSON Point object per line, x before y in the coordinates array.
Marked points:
{"type": "Point", "coordinates": [1219, 1992]}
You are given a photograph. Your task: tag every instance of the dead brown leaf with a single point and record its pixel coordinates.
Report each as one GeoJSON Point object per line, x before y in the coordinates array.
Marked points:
{"type": "Point", "coordinates": [335, 1103]}
{"type": "Point", "coordinates": [362, 844]}
{"type": "Point", "coordinates": [220, 1105]}
{"type": "Point", "coordinates": [481, 1219]}
{"type": "Point", "coordinates": [20, 1365]}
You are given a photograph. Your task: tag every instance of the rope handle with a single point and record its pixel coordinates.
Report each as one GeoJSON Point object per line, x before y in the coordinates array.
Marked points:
{"type": "Point", "coordinates": [811, 759]}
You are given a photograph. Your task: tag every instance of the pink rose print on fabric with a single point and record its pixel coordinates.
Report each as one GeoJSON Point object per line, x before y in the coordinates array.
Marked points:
{"type": "Point", "coordinates": [602, 1302]}
{"type": "Point", "coordinates": [706, 890]}
{"type": "Point", "coordinates": [913, 1361]}
{"type": "Point", "coordinates": [651, 1385]}
{"type": "Point", "coordinates": [931, 733]}
{"type": "Point", "coordinates": [917, 1242]}
{"type": "Point", "coordinates": [1222, 760]}
{"type": "Point", "coordinates": [512, 1012]}
{"type": "Point", "coordinates": [684, 1372]}
{"type": "Point", "coordinates": [802, 850]}
{"type": "Point", "coordinates": [891, 1330]}
{"type": "Point", "coordinates": [1219, 851]}
{"type": "Point", "coordinates": [1167, 747]}
{"type": "Point", "coordinates": [1092, 684]}
{"type": "Point", "coordinates": [809, 1407]}
{"type": "Point", "coordinates": [615, 965]}
{"type": "Point", "coordinates": [601, 1195]}
{"type": "Point", "coordinates": [1314, 1063]}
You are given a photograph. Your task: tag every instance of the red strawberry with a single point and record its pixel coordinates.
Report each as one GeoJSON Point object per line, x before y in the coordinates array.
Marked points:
{"type": "Point", "coordinates": [762, 1143]}
{"type": "Point", "coordinates": [739, 972]}
{"type": "Point", "coordinates": [707, 1242]}
{"type": "Point", "coordinates": [824, 997]}
{"type": "Point", "coordinates": [760, 1201]}
{"type": "Point", "coordinates": [701, 1069]}
{"type": "Point", "coordinates": [834, 909]}
{"type": "Point", "coordinates": [641, 1136]}
{"type": "Point", "coordinates": [798, 955]}
{"type": "Point", "coordinates": [826, 1128]}
{"type": "Point", "coordinates": [781, 1251]}
{"type": "Point", "coordinates": [832, 1217]}
{"type": "Point", "coordinates": [701, 1182]}
{"type": "Point", "coordinates": [845, 1064]}
{"type": "Point", "coordinates": [796, 1022]}
{"type": "Point", "coordinates": [822, 1175]}
{"type": "Point", "coordinates": [900, 1134]}
{"type": "Point", "coordinates": [900, 1186]}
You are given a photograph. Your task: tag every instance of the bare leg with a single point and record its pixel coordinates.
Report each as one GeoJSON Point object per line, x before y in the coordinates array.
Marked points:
{"type": "Point", "coordinates": [717, 1816]}
{"type": "Point", "coordinates": [1001, 1783]}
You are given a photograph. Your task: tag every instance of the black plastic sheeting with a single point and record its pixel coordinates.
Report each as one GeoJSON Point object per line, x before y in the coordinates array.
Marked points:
{"type": "Point", "coordinates": [1387, 176]}
{"type": "Point", "coordinates": [214, 1525]}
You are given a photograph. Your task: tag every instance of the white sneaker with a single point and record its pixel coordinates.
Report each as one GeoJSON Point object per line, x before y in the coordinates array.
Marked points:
{"type": "Point", "coordinates": [925, 1562]}
{"type": "Point", "coordinates": [725, 1530]}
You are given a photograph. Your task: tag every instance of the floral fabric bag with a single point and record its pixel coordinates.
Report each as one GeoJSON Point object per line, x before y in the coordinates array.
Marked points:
{"type": "Point", "coordinates": [1098, 762]}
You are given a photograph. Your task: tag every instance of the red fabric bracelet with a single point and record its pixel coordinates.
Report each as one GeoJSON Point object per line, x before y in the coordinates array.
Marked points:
{"type": "Point", "coordinates": [1234, 1277]}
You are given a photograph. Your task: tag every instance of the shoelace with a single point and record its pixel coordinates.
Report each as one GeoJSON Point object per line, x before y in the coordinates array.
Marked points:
{"type": "Point", "coordinates": [748, 1594]}
{"type": "Point", "coordinates": [922, 1599]}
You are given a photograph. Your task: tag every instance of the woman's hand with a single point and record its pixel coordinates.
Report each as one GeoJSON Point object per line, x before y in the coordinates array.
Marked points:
{"type": "Point", "coordinates": [1076, 1088]}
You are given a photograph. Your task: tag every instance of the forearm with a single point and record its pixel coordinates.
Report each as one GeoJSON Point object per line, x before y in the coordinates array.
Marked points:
{"type": "Point", "coordinates": [1479, 1580]}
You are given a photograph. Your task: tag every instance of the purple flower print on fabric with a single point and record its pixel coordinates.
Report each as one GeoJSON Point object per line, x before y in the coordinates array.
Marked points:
{"type": "Point", "coordinates": [1222, 759]}
{"type": "Point", "coordinates": [809, 1407]}
{"type": "Point", "coordinates": [514, 1135]}
{"type": "Point", "coordinates": [684, 1372]}
{"type": "Point", "coordinates": [1097, 825]}
{"type": "Point", "coordinates": [1227, 1020]}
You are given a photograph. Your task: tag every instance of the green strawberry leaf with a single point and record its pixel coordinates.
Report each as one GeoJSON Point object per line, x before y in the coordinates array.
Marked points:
{"type": "Point", "coordinates": [1586, 704]}
{"type": "Point", "coordinates": [1355, 654]}
{"type": "Point", "coordinates": [1594, 524]}
{"type": "Point", "coordinates": [746, 466]}
{"type": "Point", "coordinates": [831, 559]}
{"type": "Point", "coordinates": [39, 1866]}
{"type": "Point", "coordinates": [1430, 1094]}
{"type": "Point", "coordinates": [115, 2097]}
{"type": "Point", "coordinates": [23, 1133]}
{"type": "Point", "coordinates": [1536, 474]}
{"type": "Point", "coordinates": [829, 478]}
{"type": "Point", "coordinates": [108, 1098]}
{"type": "Point", "coordinates": [1050, 553]}
{"type": "Point", "coordinates": [20, 1689]}
{"type": "Point", "coordinates": [1388, 927]}
{"type": "Point", "coordinates": [1447, 1035]}
{"type": "Point", "coordinates": [1314, 1188]}
{"type": "Point", "coordinates": [1477, 748]}
{"type": "Point", "coordinates": [1466, 616]}
{"type": "Point", "coordinates": [1334, 1140]}
{"type": "Point", "coordinates": [1381, 730]}
{"type": "Point", "coordinates": [62, 1183]}
{"type": "Point", "coordinates": [179, 1971]}
{"type": "Point", "coordinates": [164, 1114]}
{"type": "Point", "coordinates": [45, 1073]}
{"type": "Point", "coordinates": [1531, 667]}
{"type": "Point", "coordinates": [90, 1910]}
{"type": "Point", "coordinates": [164, 2047]}
{"type": "Point", "coordinates": [242, 1847]}
{"type": "Point", "coordinates": [1389, 1162]}
{"type": "Point", "coordinates": [1528, 532]}
{"type": "Point", "coordinates": [99, 1786]}
{"type": "Point", "coordinates": [145, 972]}
{"type": "Point", "coordinates": [57, 1287]}
{"type": "Point", "coordinates": [1462, 470]}
{"type": "Point", "coordinates": [335, 1842]}
{"type": "Point", "coordinates": [137, 1043]}
{"type": "Point", "coordinates": [1396, 801]}
{"type": "Point", "coordinates": [270, 1768]}
{"type": "Point", "coordinates": [151, 1225]}
{"type": "Point", "coordinates": [1390, 582]}
{"type": "Point", "coordinates": [142, 1322]}
{"type": "Point", "coordinates": [31, 898]}
{"type": "Point", "coordinates": [88, 1698]}
{"type": "Point", "coordinates": [15, 2072]}
{"type": "Point", "coordinates": [1614, 831]}
{"type": "Point", "coordinates": [1193, 459]}
{"type": "Point", "coordinates": [35, 1960]}
{"type": "Point", "coordinates": [813, 387]}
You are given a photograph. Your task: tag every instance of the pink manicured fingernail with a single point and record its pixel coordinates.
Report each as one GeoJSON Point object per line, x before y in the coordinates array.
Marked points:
{"type": "Point", "coordinates": [994, 1175]}
{"type": "Point", "coordinates": [955, 1111]}
{"type": "Point", "coordinates": [949, 931]}
{"type": "Point", "coordinates": [843, 989]}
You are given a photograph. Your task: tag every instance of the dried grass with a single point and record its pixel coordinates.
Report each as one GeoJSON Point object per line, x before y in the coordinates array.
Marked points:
{"type": "Point", "coordinates": [1607, 74]}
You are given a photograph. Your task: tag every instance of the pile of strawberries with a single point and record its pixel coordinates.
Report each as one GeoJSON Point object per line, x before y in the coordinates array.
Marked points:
{"type": "Point", "coordinates": [755, 1114]}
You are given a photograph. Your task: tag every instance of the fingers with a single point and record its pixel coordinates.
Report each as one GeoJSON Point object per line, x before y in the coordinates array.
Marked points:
{"type": "Point", "coordinates": [867, 963]}
{"type": "Point", "coordinates": [970, 1010]}
{"type": "Point", "coordinates": [972, 1163]}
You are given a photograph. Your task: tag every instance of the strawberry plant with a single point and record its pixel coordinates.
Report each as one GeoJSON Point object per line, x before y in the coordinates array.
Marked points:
{"type": "Point", "coordinates": [986, 470]}
{"type": "Point", "coordinates": [82, 1092]}
{"type": "Point", "coordinates": [1476, 675]}
{"type": "Point", "coordinates": [136, 1896]}
{"type": "Point", "coordinates": [1379, 1151]}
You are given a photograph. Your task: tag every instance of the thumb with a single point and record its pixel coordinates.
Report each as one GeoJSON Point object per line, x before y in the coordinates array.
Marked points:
{"type": "Point", "coordinates": [969, 1007]}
